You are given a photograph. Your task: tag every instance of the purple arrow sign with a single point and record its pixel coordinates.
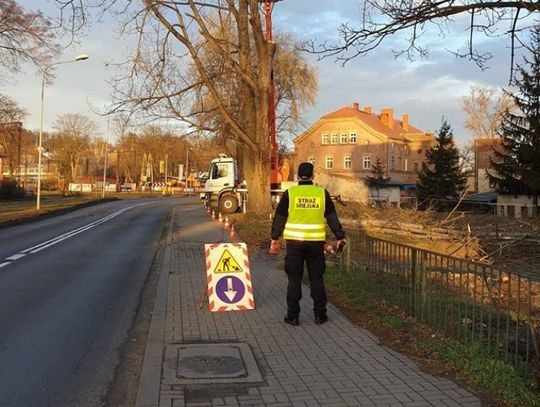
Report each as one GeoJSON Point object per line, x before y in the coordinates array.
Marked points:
{"type": "Point", "coordinates": [230, 289]}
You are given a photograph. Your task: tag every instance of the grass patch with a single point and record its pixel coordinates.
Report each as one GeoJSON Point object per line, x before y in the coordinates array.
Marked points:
{"type": "Point", "coordinates": [493, 376]}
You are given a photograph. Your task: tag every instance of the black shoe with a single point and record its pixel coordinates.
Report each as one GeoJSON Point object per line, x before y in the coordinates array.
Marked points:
{"type": "Point", "coordinates": [291, 321]}
{"type": "Point", "coordinates": [321, 320]}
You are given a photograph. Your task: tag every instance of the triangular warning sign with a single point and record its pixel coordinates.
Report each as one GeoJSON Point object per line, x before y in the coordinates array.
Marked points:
{"type": "Point", "coordinates": [227, 264]}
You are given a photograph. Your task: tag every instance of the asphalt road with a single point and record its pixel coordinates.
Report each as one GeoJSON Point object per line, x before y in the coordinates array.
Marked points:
{"type": "Point", "coordinates": [69, 290]}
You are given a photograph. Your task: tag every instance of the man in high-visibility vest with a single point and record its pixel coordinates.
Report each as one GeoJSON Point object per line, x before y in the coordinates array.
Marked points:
{"type": "Point", "coordinates": [300, 217]}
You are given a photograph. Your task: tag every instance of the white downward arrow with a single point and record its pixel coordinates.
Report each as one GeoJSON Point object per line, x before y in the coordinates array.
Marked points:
{"type": "Point", "coordinates": [230, 293]}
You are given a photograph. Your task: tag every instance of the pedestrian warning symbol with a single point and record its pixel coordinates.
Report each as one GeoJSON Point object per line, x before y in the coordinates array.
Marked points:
{"type": "Point", "coordinates": [227, 264]}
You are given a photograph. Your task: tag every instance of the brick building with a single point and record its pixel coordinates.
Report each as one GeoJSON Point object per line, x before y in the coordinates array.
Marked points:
{"type": "Point", "coordinates": [347, 143]}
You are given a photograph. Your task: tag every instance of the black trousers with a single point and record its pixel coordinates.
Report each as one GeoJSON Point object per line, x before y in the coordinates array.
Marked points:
{"type": "Point", "coordinates": [312, 254]}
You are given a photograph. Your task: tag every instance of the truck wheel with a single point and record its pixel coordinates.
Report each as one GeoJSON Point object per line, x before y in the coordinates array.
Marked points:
{"type": "Point", "coordinates": [228, 204]}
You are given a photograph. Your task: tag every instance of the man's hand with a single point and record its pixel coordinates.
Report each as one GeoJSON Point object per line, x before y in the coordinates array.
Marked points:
{"type": "Point", "coordinates": [340, 244]}
{"type": "Point", "coordinates": [275, 247]}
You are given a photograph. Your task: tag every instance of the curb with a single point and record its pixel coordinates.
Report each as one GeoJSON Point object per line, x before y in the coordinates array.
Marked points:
{"type": "Point", "coordinates": [149, 384]}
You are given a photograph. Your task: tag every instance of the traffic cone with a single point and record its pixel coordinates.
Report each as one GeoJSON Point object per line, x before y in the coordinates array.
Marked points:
{"type": "Point", "coordinates": [232, 233]}
{"type": "Point", "coordinates": [220, 218]}
{"type": "Point", "coordinates": [213, 215]}
{"type": "Point", "coordinates": [226, 224]}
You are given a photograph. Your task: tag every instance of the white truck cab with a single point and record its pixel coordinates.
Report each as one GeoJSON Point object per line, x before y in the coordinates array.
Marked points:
{"type": "Point", "coordinates": [222, 188]}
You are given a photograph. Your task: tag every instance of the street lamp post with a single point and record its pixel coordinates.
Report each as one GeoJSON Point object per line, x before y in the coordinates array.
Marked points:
{"type": "Point", "coordinates": [105, 162]}
{"type": "Point", "coordinates": [81, 57]}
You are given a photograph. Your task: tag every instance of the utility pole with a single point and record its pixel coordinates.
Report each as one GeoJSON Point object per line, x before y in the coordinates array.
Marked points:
{"type": "Point", "coordinates": [274, 169]}
{"type": "Point", "coordinates": [105, 161]}
{"type": "Point", "coordinates": [166, 165]}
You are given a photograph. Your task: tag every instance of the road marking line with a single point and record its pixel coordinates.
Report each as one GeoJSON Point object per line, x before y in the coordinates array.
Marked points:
{"type": "Point", "coordinates": [76, 231]}
{"type": "Point", "coordinates": [67, 235]}
{"type": "Point", "coordinates": [15, 256]}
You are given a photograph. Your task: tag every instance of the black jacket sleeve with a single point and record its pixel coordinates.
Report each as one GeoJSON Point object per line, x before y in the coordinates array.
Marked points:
{"type": "Point", "coordinates": [280, 217]}
{"type": "Point", "coordinates": [331, 217]}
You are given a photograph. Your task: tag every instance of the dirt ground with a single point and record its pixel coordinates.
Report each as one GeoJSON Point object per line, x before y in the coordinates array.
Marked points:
{"type": "Point", "coordinates": [508, 244]}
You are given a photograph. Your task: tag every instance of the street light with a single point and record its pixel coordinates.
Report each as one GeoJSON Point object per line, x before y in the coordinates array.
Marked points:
{"type": "Point", "coordinates": [82, 57]}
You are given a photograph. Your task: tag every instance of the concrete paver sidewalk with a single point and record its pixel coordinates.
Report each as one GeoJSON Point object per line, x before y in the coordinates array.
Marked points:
{"type": "Point", "coordinates": [335, 364]}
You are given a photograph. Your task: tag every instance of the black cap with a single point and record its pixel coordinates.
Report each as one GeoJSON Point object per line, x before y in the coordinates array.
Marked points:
{"type": "Point", "coordinates": [305, 171]}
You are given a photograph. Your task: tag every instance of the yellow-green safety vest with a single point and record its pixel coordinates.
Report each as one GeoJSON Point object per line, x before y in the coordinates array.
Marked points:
{"type": "Point", "coordinates": [306, 214]}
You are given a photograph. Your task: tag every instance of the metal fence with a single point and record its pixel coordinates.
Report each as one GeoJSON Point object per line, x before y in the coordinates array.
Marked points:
{"type": "Point", "coordinates": [470, 301]}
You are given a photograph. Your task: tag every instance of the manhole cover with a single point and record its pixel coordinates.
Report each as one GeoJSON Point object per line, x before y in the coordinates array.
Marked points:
{"type": "Point", "coordinates": [202, 363]}
{"type": "Point", "coordinates": [207, 361]}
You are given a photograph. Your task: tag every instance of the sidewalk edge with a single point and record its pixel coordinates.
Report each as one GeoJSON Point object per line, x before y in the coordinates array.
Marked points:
{"type": "Point", "coordinates": [149, 384]}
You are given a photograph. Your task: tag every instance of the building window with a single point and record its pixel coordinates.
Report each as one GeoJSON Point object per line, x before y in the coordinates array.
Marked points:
{"type": "Point", "coordinates": [366, 162]}
{"type": "Point", "coordinates": [393, 163]}
{"type": "Point", "coordinates": [333, 139]}
{"type": "Point", "coordinates": [329, 164]}
{"type": "Point", "coordinates": [311, 160]}
{"type": "Point", "coordinates": [324, 139]}
{"type": "Point", "coordinates": [347, 162]}
{"type": "Point", "coordinates": [352, 138]}
{"type": "Point", "coordinates": [343, 138]}
{"type": "Point", "coordinates": [406, 165]}
{"type": "Point", "coordinates": [415, 167]}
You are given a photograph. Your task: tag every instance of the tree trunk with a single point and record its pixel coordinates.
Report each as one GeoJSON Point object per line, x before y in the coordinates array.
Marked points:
{"type": "Point", "coordinates": [258, 181]}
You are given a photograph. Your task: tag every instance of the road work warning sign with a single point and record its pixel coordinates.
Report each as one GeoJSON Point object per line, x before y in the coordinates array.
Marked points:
{"type": "Point", "coordinates": [228, 278]}
{"type": "Point", "coordinates": [227, 264]}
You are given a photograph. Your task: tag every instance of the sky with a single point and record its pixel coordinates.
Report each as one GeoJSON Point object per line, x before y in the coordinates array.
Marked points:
{"type": "Point", "coordinates": [425, 89]}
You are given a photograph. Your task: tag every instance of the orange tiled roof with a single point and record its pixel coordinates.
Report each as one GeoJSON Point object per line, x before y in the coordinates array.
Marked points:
{"type": "Point", "coordinates": [374, 121]}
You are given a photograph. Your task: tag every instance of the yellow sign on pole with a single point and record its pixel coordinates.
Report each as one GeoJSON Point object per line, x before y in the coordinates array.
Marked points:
{"type": "Point", "coordinates": [161, 166]}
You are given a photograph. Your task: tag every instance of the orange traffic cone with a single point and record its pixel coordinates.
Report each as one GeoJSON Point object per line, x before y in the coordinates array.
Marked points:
{"type": "Point", "coordinates": [220, 217]}
{"type": "Point", "coordinates": [232, 233]}
{"type": "Point", "coordinates": [213, 215]}
{"type": "Point", "coordinates": [226, 224]}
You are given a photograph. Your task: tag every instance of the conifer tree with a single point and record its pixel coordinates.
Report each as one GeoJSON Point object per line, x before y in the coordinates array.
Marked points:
{"type": "Point", "coordinates": [516, 167]}
{"type": "Point", "coordinates": [379, 178]}
{"type": "Point", "coordinates": [441, 180]}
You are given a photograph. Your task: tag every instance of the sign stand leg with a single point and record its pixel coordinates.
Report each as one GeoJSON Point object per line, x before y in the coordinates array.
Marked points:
{"type": "Point", "coordinates": [204, 298]}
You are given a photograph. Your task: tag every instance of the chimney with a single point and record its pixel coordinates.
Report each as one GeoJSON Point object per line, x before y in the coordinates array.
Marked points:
{"type": "Point", "coordinates": [405, 122]}
{"type": "Point", "coordinates": [387, 117]}
{"type": "Point", "coordinates": [355, 106]}
{"type": "Point", "coordinates": [367, 109]}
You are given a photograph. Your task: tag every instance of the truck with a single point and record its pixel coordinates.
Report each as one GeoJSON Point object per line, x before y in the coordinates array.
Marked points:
{"type": "Point", "coordinates": [225, 190]}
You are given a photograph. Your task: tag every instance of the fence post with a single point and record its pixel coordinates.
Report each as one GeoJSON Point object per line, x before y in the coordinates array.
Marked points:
{"type": "Point", "coordinates": [346, 258]}
{"type": "Point", "coordinates": [413, 281]}
{"type": "Point", "coordinates": [423, 284]}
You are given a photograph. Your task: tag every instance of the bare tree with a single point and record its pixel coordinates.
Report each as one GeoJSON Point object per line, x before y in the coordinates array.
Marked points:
{"type": "Point", "coordinates": [171, 36]}
{"type": "Point", "coordinates": [296, 86]}
{"type": "Point", "coordinates": [421, 19]}
{"type": "Point", "coordinates": [11, 143]}
{"type": "Point", "coordinates": [71, 143]}
{"type": "Point", "coordinates": [484, 108]}
{"type": "Point", "coordinates": [25, 36]}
